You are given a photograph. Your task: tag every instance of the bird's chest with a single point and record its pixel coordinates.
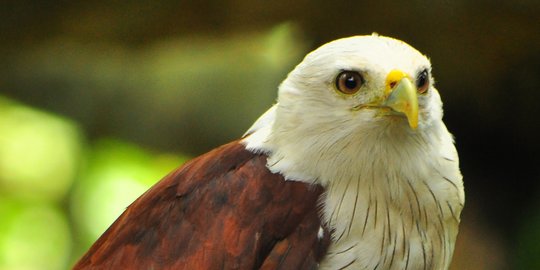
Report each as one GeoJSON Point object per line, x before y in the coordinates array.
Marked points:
{"type": "Point", "coordinates": [399, 225]}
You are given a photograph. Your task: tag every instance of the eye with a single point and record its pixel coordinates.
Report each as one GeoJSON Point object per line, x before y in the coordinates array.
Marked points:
{"type": "Point", "coordinates": [422, 81]}
{"type": "Point", "coordinates": [349, 82]}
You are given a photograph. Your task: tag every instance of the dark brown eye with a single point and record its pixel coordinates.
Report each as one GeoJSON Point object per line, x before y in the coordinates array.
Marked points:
{"type": "Point", "coordinates": [422, 81]}
{"type": "Point", "coordinates": [349, 82]}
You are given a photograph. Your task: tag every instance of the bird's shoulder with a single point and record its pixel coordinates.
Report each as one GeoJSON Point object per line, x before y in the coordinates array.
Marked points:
{"type": "Point", "coordinates": [222, 210]}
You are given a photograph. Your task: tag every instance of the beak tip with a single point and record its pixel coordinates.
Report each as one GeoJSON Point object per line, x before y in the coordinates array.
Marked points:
{"type": "Point", "coordinates": [403, 99]}
{"type": "Point", "coordinates": [413, 126]}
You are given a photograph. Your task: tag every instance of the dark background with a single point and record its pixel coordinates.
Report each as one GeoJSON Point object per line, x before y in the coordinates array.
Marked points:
{"type": "Point", "coordinates": [187, 76]}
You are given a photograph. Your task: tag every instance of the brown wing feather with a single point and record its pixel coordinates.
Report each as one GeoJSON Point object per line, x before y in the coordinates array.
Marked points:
{"type": "Point", "coordinates": [222, 210]}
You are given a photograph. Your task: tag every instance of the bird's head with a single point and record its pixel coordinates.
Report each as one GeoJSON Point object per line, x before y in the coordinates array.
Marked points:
{"type": "Point", "coordinates": [361, 80]}
{"type": "Point", "coordinates": [349, 91]}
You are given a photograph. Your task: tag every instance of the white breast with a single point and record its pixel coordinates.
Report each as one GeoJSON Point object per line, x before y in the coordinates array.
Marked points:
{"type": "Point", "coordinates": [393, 217]}
{"type": "Point", "coordinates": [393, 200]}
{"type": "Point", "coordinates": [401, 211]}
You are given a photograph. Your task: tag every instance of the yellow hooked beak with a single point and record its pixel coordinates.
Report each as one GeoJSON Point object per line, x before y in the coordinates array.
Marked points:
{"type": "Point", "coordinates": [401, 96]}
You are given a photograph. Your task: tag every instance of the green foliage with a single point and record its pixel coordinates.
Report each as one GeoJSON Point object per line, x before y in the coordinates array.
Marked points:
{"type": "Point", "coordinates": [33, 236]}
{"type": "Point", "coordinates": [39, 153]}
{"type": "Point", "coordinates": [40, 170]}
{"type": "Point", "coordinates": [39, 157]}
{"type": "Point", "coordinates": [190, 92]}
{"type": "Point", "coordinates": [116, 174]}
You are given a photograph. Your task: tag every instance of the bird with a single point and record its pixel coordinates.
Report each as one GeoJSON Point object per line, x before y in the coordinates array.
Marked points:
{"type": "Point", "coordinates": [351, 168]}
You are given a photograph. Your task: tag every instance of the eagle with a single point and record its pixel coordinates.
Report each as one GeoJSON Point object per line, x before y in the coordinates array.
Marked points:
{"type": "Point", "coordinates": [352, 168]}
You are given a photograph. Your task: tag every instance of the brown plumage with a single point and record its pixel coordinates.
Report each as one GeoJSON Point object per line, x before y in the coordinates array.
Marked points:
{"type": "Point", "coordinates": [222, 210]}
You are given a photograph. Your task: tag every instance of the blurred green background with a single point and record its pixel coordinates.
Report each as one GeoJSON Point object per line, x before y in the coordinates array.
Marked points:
{"type": "Point", "coordinates": [100, 99]}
